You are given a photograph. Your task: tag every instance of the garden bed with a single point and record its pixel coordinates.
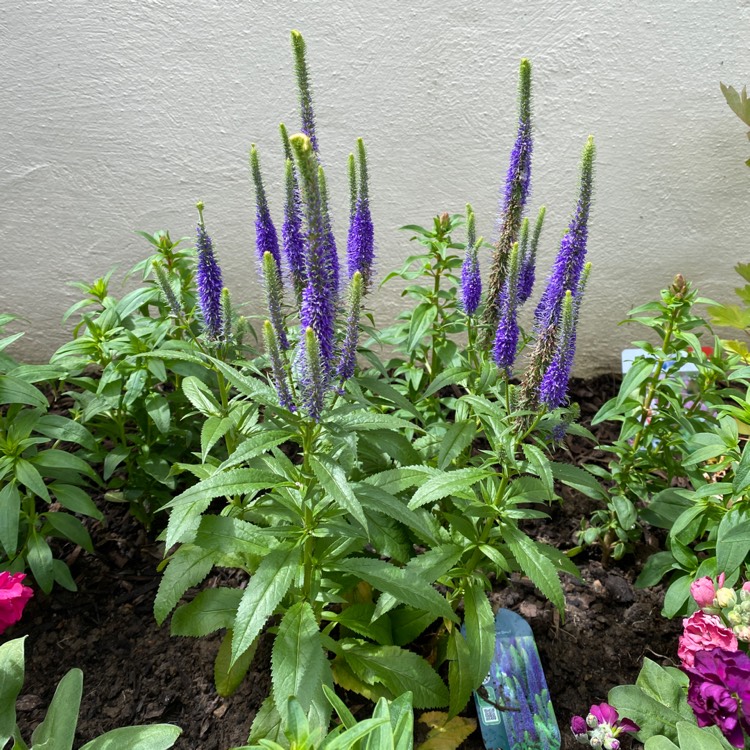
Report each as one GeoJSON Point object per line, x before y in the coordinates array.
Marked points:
{"type": "Point", "coordinates": [135, 672]}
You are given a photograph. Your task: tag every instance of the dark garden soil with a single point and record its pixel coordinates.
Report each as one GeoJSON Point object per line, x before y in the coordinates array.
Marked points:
{"type": "Point", "coordinates": [135, 673]}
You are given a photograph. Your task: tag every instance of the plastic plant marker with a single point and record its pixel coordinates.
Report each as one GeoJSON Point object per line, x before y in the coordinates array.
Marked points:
{"type": "Point", "coordinates": [513, 703]}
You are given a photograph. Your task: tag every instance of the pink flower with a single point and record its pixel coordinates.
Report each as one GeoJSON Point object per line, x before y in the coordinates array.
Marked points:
{"type": "Point", "coordinates": [703, 591]}
{"type": "Point", "coordinates": [746, 586]}
{"type": "Point", "coordinates": [702, 632]}
{"type": "Point", "coordinates": [13, 598]}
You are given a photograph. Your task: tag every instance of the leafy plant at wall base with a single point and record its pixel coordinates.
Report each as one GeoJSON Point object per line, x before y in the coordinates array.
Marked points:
{"type": "Point", "coordinates": [740, 105]}
{"type": "Point", "coordinates": [58, 728]}
{"type": "Point", "coordinates": [736, 316]}
{"type": "Point", "coordinates": [42, 485]}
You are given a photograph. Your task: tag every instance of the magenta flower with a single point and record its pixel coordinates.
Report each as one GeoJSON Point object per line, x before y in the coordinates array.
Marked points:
{"type": "Point", "coordinates": [719, 692]}
{"type": "Point", "coordinates": [13, 598]}
{"type": "Point", "coordinates": [703, 591]}
{"type": "Point", "coordinates": [601, 727]}
{"type": "Point", "coordinates": [702, 632]}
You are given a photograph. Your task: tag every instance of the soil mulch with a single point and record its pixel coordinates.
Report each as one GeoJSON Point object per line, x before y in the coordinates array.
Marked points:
{"type": "Point", "coordinates": [136, 673]}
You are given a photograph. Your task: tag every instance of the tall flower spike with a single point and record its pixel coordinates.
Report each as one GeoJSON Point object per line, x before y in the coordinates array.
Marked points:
{"type": "Point", "coordinates": [292, 235]}
{"type": "Point", "coordinates": [303, 84]}
{"type": "Point", "coordinates": [278, 373]}
{"type": "Point", "coordinates": [311, 376]}
{"type": "Point", "coordinates": [331, 253]}
{"type": "Point", "coordinates": [167, 290]}
{"type": "Point", "coordinates": [553, 388]}
{"type": "Point", "coordinates": [266, 240]}
{"type": "Point", "coordinates": [516, 192]}
{"type": "Point", "coordinates": [272, 283]}
{"type": "Point", "coordinates": [528, 265]}
{"type": "Point", "coordinates": [361, 245]}
{"type": "Point", "coordinates": [227, 315]}
{"type": "Point", "coordinates": [570, 258]}
{"type": "Point", "coordinates": [208, 280]}
{"type": "Point", "coordinates": [471, 280]}
{"type": "Point", "coordinates": [318, 308]}
{"type": "Point", "coordinates": [348, 358]}
{"type": "Point", "coordinates": [506, 339]}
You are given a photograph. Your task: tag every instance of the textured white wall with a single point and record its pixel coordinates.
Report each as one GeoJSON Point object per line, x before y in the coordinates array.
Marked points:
{"type": "Point", "coordinates": [118, 114]}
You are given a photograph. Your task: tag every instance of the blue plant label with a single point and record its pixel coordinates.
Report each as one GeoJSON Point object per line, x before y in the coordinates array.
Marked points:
{"type": "Point", "coordinates": [513, 703]}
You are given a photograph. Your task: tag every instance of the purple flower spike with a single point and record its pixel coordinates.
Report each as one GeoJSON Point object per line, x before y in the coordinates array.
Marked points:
{"type": "Point", "coordinates": [278, 372]}
{"type": "Point", "coordinates": [517, 185]}
{"type": "Point", "coordinates": [361, 240]}
{"type": "Point", "coordinates": [310, 375]}
{"type": "Point", "coordinates": [348, 357]}
{"type": "Point", "coordinates": [305, 94]}
{"type": "Point", "coordinates": [292, 235]}
{"type": "Point", "coordinates": [272, 283]}
{"type": "Point", "coordinates": [528, 264]}
{"type": "Point", "coordinates": [506, 338]}
{"type": "Point", "coordinates": [208, 280]}
{"type": "Point", "coordinates": [318, 308]}
{"type": "Point", "coordinates": [266, 240]}
{"type": "Point", "coordinates": [330, 253]}
{"type": "Point", "coordinates": [571, 257]}
{"type": "Point", "coordinates": [471, 280]}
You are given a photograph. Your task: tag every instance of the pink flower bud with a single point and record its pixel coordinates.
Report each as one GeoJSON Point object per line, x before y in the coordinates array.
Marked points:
{"type": "Point", "coordinates": [703, 591]}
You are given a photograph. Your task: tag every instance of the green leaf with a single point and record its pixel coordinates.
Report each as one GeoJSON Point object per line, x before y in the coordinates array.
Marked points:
{"type": "Point", "coordinates": [28, 475]}
{"type": "Point", "coordinates": [188, 567]}
{"type": "Point", "coordinates": [201, 397]}
{"type": "Point", "coordinates": [380, 388]}
{"type": "Point", "coordinates": [334, 481]}
{"type": "Point", "coordinates": [578, 479]}
{"type": "Point", "coordinates": [232, 537]}
{"type": "Point", "coordinates": [10, 508]}
{"type": "Point", "coordinates": [359, 618]}
{"type": "Point", "coordinates": [227, 675]}
{"type": "Point", "coordinates": [409, 589]}
{"type": "Point", "coordinates": [742, 473]}
{"type": "Point", "coordinates": [258, 443]}
{"type": "Point", "coordinates": [638, 372]}
{"type": "Point", "coordinates": [450, 376]}
{"type": "Point", "coordinates": [58, 729]}
{"type": "Point", "coordinates": [677, 594]}
{"type": "Point", "coordinates": [422, 319]}
{"type": "Point", "coordinates": [153, 737]}
{"type": "Point", "coordinates": [263, 594]}
{"type": "Point", "coordinates": [255, 389]}
{"type": "Point", "coordinates": [692, 737]}
{"type": "Point", "coordinates": [157, 407]}
{"type": "Point", "coordinates": [75, 499]}
{"type": "Point", "coordinates": [213, 430]}
{"type": "Point", "coordinates": [447, 483]}
{"type": "Point", "coordinates": [627, 515]}
{"type": "Point", "coordinates": [17, 391]}
{"type": "Point", "coordinates": [60, 428]}
{"type": "Point", "coordinates": [394, 481]}
{"type": "Point", "coordinates": [376, 499]}
{"type": "Point", "coordinates": [537, 567]}
{"type": "Point", "coordinates": [399, 670]}
{"type": "Point", "coordinates": [460, 673]}
{"type": "Point", "coordinates": [39, 558]}
{"type": "Point", "coordinates": [349, 738]}
{"type": "Point", "coordinates": [211, 610]}
{"type": "Point", "coordinates": [188, 506]}
{"type": "Point", "coordinates": [457, 438]}
{"type": "Point", "coordinates": [69, 527]}
{"type": "Point", "coordinates": [733, 541]}
{"type": "Point", "coordinates": [54, 459]}
{"type": "Point", "coordinates": [266, 724]}
{"type": "Point", "coordinates": [660, 742]}
{"type": "Point", "coordinates": [656, 567]}
{"type": "Point", "coordinates": [362, 420]}
{"type": "Point", "coordinates": [480, 630]}
{"type": "Point", "coordinates": [11, 682]}
{"type": "Point", "coordinates": [657, 682]}
{"type": "Point", "coordinates": [540, 465]}
{"type": "Point", "coordinates": [299, 666]}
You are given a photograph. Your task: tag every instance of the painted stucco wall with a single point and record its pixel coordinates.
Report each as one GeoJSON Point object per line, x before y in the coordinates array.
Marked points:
{"type": "Point", "coordinates": [117, 115]}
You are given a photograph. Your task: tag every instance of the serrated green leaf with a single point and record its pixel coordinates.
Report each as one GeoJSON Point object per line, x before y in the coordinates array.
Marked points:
{"type": "Point", "coordinates": [201, 397]}
{"type": "Point", "coordinates": [480, 630]}
{"type": "Point", "coordinates": [578, 479]}
{"type": "Point", "coordinates": [460, 673]}
{"type": "Point", "coordinates": [447, 483]}
{"type": "Point", "coordinates": [227, 675]}
{"type": "Point", "coordinates": [409, 589]}
{"type": "Point", "coordinates": [153, 737]}
{"type": "Point", "coordinates": [211, 610]}
{"type": "Point", "coordinates": [263, 594]}
{"type": "Point", "coordinates": [213, 430]}
{"type": "Point", "coordinates": [394, 481]}
{"type": "Point", "coordinates": [537, 567]}
{"type": "Point", "coordinates": [157, 407]}
{"type": "Point", "coordinates": [58, 729]}
{"type": "Point", "coordinates": [400, 671]}
{"type": "Point", "coordinates": [457, 438]}
{"type": "Point", "coordinates": [334, 481]}
{"type": "Point", "coordinates": [540, 465]}
{"type": "Point", "coordinates": [451, 376]}
{"type": "Point", "coordinates": [266, 724]}
{"type": "Point", "coordinates": [299, 666]}
{"type": "Point", "coordinates": [255, 445]}
{"type": "Point", "coordinates": [377, 499]}
{"type": "Point", "coordinates": [188, 567]}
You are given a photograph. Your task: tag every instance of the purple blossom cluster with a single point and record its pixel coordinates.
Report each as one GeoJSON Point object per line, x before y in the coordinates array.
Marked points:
{"type": "Point", "coordinates": [209, 282]}
{"type": "Point", "coordinates": [471, 280]}
{"type": "Point", "coordinates": [601, 727]}
{"type": "Point", "coordinates": [360, 249]}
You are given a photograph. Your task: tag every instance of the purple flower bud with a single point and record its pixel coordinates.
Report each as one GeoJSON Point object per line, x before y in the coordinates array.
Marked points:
{"type": "Point", "coordinates": [208, 280]}
{"type": "Point", "coordinates": [330, 253]}
{"type": "Point", "coordinates": [310, 375]}
{"type": "Point", "coordinates": [292, 235]}
{"type": "Point", "coordinates": [506, 338]}
{"type": "Point", "coordinates": [471, 280]}
{"type": "Point", "coordinates": [580, 729]}
{"type": "Point", "coordinates": [266, 240]}
{"type": "Point", "coordinates": [516, 192]}
{"type": "Point", "coordinates": [361, 240]}
{"type": "Point", "coordinates": [167, 290]}
{"type": "Point", "coordinates": [272, 283]}
{"type": "Point", "coordinates": [278, 372]}
{"type": "Point", "coordinates": [348, 357]}
{"type": "Point", "coordinates": [528, 263]}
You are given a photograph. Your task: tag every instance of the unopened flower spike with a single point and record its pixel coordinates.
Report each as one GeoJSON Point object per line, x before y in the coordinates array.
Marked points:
{"type": "Point", "coordinates": [331, 253]}
{"type": "Point", "coordinates": [227, 315]}
{"type": "Point", "coordinates": [272, 283]}
{"type": "Point", "coordinates": [285, 142]}
{"type": "Point", "coordinates": [305, 94]}
{"type": "Point", "coordinates": [208, 281]}
{"type": "Point", "coordinates": [528, 267]}
{"type": "Point", "coordinates": [348, 356]}
{"type": "Point", "coordinates": [471, 280]}
{"type": "Point", "coordinates": [167, 290]}
{"type": "Point", "coordinates": [570, 258]}
{"type": "Point", "coordinates": [310, 375]}
{"type": "Point", "coordinates": [278, 372]}
{"type": "Point", "coordinates": [516, 192]}
{"type": "Point", "coordinates": [553, 388]}
{"type": "Point", "coordinates": [361, 244]}
{"type": "Point", "coordinates": [292, 234]}
{"type": "Point", "coordinates": [318, 307]}
{"type": "Point", "coordinates": [506, 338]}
{"type": "Point", "coordinates": [266, 240]}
